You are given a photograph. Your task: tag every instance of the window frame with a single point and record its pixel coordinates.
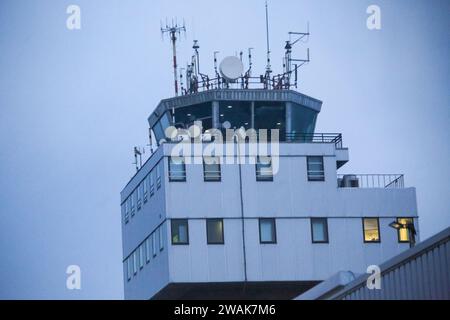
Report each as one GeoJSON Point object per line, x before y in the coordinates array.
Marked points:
{"type": "Point", "coordinates": [262, 178]}
{"type": "Point", "coordinates": [398, 230]}
{"type": "Point", "coordinates": [378, 228]}
{"type": "Point", "coordinates": [145, 189]}
{"type": "Point", "coordinates": [310, 178]}
{"type": "Point", "coordinates": [187, 232]}
{"type": "Point", "coordinates": [183, 177]}
{"type": "Point", "coordinates": [154, 250]}
{"type": "Point", "coordinates": [223, 232]}
{"type": "Point", "coordinates": [327, 239]}
{"type": "Point", "coordinates": [148, 254]}
{"type": "Point", "coordinates": [274, 241]}
{"type": "Point", "coordinates": [161, 238]}
{"type": "Point", "coordinates": [212, 179]}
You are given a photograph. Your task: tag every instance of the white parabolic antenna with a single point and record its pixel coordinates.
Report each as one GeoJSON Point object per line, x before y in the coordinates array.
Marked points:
{"type": "Point", "coordinates": [231, 68]}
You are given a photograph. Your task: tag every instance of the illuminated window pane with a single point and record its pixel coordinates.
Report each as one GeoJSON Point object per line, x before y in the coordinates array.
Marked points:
{"type": "Point", "coordinates": [403, 233]}
{"type": "Point", "coordinates": [371, 230]}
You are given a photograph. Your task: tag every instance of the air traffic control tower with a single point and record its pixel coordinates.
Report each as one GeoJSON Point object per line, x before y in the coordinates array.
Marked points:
{"type": "Point", "coordinates": [269, 227]}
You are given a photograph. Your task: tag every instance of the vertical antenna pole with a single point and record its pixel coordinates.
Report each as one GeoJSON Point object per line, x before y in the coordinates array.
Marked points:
{"type": "Point", "coordinates": [174, 50]}
{"type": "Point", "coordinates": [267, 39]}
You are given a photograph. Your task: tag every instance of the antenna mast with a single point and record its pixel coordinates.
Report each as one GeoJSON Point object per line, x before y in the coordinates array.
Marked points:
{"type": "Point", "coordinates": [268, 70]}
{"type": "Point", "coordinates": [173, 30]}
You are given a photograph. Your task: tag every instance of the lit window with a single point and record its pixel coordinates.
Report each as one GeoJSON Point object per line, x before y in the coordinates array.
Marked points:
{"type": "Point", "coordinates": [154, 244]}
{"type": "Point", "coordinates": [135, 261]}
{"type": "Point", "coordinates": [177, 169]}
{"type": "Point", "coordinates": [315, 169]}
{"type": "Point", "coordinates": [214, 231]}
{"type": "Point", "coordinates": [161, 238]}
{"type": "Point", "coordinates": [403, 233]}
{"type": "Point", "coordinates": [319, 230]}
{"type": "Point", "coordinates": [180, 231]}
{"type": "Point", "coordinates": [211, 169]}
{"type": "Point", "coordinates": [264, 169]}
{"type": "Point", "coordinates": [371, 230]}
{"type": "Point", "coordinates": [147, 249]}
{"type": "Point", "coordinates": [267, 230]}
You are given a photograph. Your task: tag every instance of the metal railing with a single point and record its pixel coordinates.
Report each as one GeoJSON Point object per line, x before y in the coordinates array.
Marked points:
{"type": "Point", "coordinates": [295, 137]}
{"type": "Point", "coordinates": [370, 181]}
{"type": "Point", "coordinates": [335, 138]}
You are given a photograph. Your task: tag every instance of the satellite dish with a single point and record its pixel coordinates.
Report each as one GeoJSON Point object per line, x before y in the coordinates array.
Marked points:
{"type": "Point", "coordinates": [231, 68]}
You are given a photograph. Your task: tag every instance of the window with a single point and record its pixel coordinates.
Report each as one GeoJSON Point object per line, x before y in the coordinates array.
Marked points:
{"type": "Point", "coordinates": [129, 267]}
{"type": "Point", "coordinates": [147, 249]}
{"type": "Point", "coordinates": [180, 231]}
{"type": "Point", "coordinates": [132, 202]}
{"type": "Point", "coordinates": [141, 255]}
{"type": "Point", "coordinates": [126, 211]}
{"type": "Point", "coordinates": [152, 185]}
{"type": "Point", "coordinates": [161, 238]}
{"type": "Point", "coordinates": [214, 231]}
{"type": "Point", "coordinates": [145, 188]}
{"type": "Point", "coordinates": [139, 196]}
{"type": "Point", "coordinates": [211, 169]}
{"type": "Point", "coordinates": [158, 177]}
{"type": "Point", "coordinates": [371, 230]}
{"type": "Point", "coordinates": [135, 261]}
{"type": "Point", "coordinates": [315, 169]}
{"type": "Point", "coordinates": [264, 169]}
{"type": "Point", "coordinates": [403, 233]}
{"type": "Point", "coordinates": [319, 230]}
{"type": "Point", "coordinates": [267, 230]}
{"type": "Point", "coordinates": [177, 169]}
{"type": "Point", "coordinates": [154, 244]}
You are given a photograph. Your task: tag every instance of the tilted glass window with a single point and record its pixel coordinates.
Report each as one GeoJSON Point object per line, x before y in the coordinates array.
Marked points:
{"type": "Point", "coordinates": [319, 230]}
{"type": "Point", "coordinates": [264, 168]}
{"type": "Point", "coordinates": [316, 170]}
{"type": "Point", "coordinates": [158, 176]}
{"type": "Point", "coordinates": [139, 196]}
{"type": "Point", "coordinates": [133, 202]}
{"type": "Point", "coordinates": [154, 244]}
{"type": "Point", "coordinates": [267, 230]}
{"type": "Point", "coordinates": [145, 188]}
{"type": "Point", "coordinates": [371, 230]}
{"type": "Point", "coordinates": [161, 238]}
{"type": "Point", "coordinates": [135, 262]}
{"type": "Point", "coordinates": [211, 169]}
{"type": "Point", "coordinates": [177, 169]}
{"type": "Point", "coordinates": [180, 231]}
{"type": "Point", "coordinates": [129, 267]}
{"type": "Point", "coordinates": [152, 184]}
{"type": "Point", "coordinates": [141, 255]}
{"type": "Point", "coordinates": [148, 254]}
{"type": "Point", "coordinates": [214, 231]}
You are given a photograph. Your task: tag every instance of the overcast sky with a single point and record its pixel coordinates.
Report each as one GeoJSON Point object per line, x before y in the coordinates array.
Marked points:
{"type": "Point", "coordinates": [74, 103]}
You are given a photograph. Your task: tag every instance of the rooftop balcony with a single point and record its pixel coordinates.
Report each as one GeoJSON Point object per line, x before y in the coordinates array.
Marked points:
{"type": "Point", "coordinates": [370, 181]}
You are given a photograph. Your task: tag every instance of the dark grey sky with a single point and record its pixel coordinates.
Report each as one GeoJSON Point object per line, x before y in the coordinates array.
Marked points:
{"type": "Point", "coordinates": [74, 103]}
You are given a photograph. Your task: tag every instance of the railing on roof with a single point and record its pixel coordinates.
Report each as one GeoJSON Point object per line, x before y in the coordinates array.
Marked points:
{"type": "Point", "coordinates": [294, 137]}
{"type": "Point", "coordinates": [395, 181]}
